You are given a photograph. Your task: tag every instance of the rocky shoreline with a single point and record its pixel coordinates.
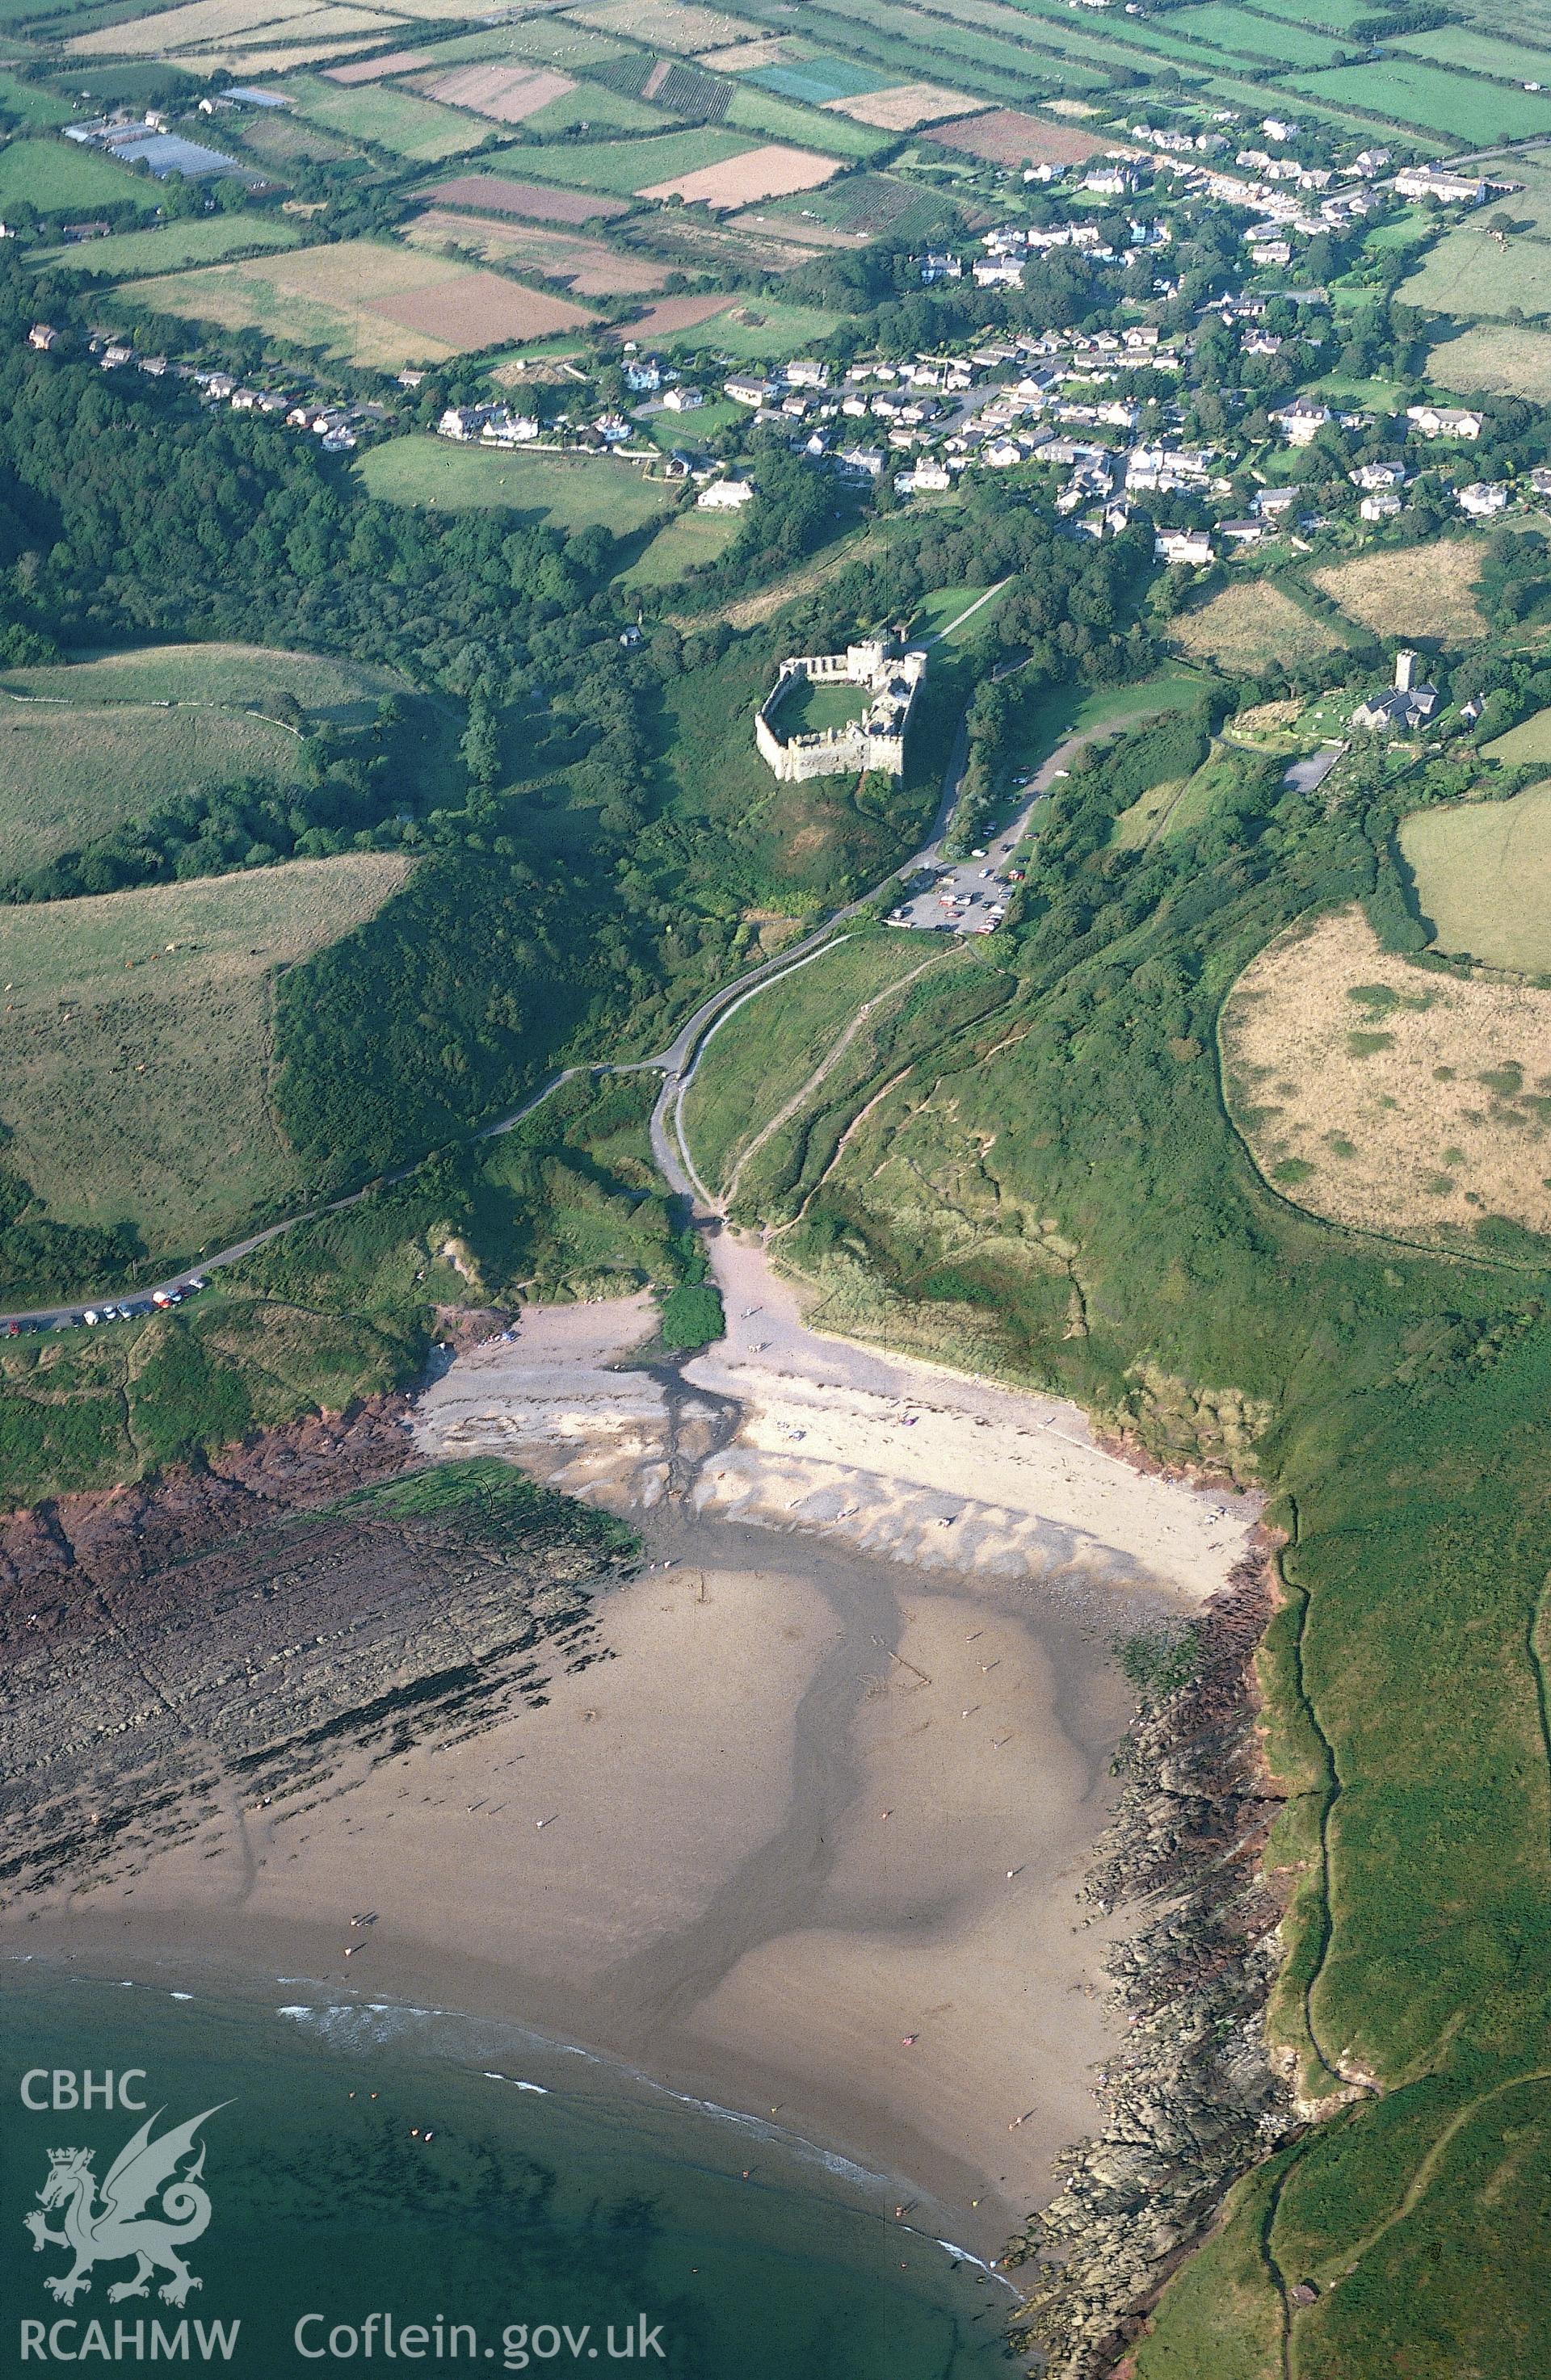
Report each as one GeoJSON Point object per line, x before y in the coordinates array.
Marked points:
{"type": "Point", "coordinates": [1193, 2100]}
{"type": "Point", "coordinates": [194, 1650]}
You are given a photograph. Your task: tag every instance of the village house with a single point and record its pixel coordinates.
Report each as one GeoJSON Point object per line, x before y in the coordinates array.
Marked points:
{"type": "Point", "coordinates": [1379, 475]}
{"type": "Point", "coordinates": [1444, 421]}
{"type": "Point", "coordinates": [683, 399]}
{"type": "Point", "coordinates": [1301, 421]}
{"type": "Point", "coordinates": [43, 336]}
{"type": "Point", "coordinates": [1437, 182]}
{"type": "Point", "coordinates": [1382, 505]}
{"type": "Point", "coordinates": [725, 497]}
{"type": "Point", "coordinates": [1185, 547]}
{"type": "Point", "coordinates": [1482, 498]}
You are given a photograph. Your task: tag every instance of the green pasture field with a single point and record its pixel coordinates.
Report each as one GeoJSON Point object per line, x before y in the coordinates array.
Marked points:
{"type": "Point", "coordinates": [781, 329]}
{"type": "Point", "coordinates": [30, 103]}
{"type": "Point", "coordinates": [569, 492]}
{"type": "Point", "coordinates": [549, 41]}
{"type": "Point", "coordinates": [235, 677]}
{"type": "Point", "coordinates": [1506, 57]}
{"type": "Point", "coordinates": [1497, 356]}
{"type": "Point", "coordinates": [1335, 16]}
{"type": "Point", "coordinates": [1068, 710]}
{"type": "Point", "coordinates": [764, 1052]}
{"type": "Point", "coordinates": [806, 127]}
{"type": "Point", "coordinates": [689, 537]}
{"type": "Point", "coordinates": [68, 773]}
{"type": "Point", "coordinates": [201, 239]}
{"type": "Point", "coordinates": [1482, 870]}
{"type": "Point", "coordinates": [139, 1048]}
{"type": "Point", "coordinates": [670, 430]}
{"type": "Point", "coordinates": [57, 176]}
{"type": "Point", "coordinates": [1530, 741]}
{"type": "Point", "coordinates": [594, 103]}
{"type": "Point", "coordinates": [1409, 91]}
{"type": "Point", "coordinates": [1468, 276]}
{"type": "Point", "coordinates": [1241, 30]}
{"type": "Point", "coordinates": [417, 129]}
{"type": "Point", "coordinates": [944, 603]}
{"type": "Point", "coordinates": [620, 168]}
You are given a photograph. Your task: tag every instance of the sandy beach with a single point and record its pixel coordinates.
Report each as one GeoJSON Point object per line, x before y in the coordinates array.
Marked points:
{"type": "Point", "coordinates": [888, 1455]}
{"type": "Point", "coordinates": [804, 1833]}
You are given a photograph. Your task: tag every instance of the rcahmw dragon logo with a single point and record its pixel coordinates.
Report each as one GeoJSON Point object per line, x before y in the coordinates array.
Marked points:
{"type": "Point", "coordinates": [117, 2225]}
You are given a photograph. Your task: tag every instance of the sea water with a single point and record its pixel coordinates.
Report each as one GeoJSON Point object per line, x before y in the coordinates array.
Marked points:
{"type": "Point", "coordinates": [397, 2187]}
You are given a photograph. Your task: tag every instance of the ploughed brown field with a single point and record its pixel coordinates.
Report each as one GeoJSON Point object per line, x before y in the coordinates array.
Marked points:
{"type": "Point", "coordinates": [375, 69]}
{"type": "Point", "coordinates": [510, 95]}
{"type": "Point", "coordinates": [770, 172]}
{"type": "Point", "coordinates": [670, 314]}
{"type": "Point", "coordinates": [498, 196]}
{"type": "Point", "coordinates": [1008, 137]}
{"type": "Point", "coordinates": [480, 308]}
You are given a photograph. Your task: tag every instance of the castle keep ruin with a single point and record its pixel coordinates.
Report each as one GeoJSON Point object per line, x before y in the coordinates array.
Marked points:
{"type": "Point", "coordinates": [876, 740]}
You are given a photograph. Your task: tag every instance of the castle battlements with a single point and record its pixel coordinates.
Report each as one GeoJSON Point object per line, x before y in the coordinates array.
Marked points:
{"type": "Point", "coordinates": [876, 740]}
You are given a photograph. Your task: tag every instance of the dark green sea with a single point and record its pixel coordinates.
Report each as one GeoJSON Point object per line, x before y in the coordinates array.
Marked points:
{"type": "Point", "coordinates": [377, 2161]}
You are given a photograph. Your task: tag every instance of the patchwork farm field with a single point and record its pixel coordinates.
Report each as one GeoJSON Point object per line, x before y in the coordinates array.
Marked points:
{"type": "Point", "coordinates": [508, 94]}
{"type": "Point", "coordinates": [366, 302]}
{"type": "Point", "coordinates": [867, 203]}
{"type": "Point", "coordinates": [1006, 135]}
{"type": "Point", "coordinates": [201, 240]}
{"type": "Point", "coordinates": [1385, 1097]}
{"type": "Point", "coordinates": [1483, 871]}
{"type": "Point", "coordinates": [587, 266]}
{"type": "Point", "coordinates": [903, 107]}
{"type": "Point", "coordinates": [1240, 30]}
{"type": "Point", "coordinates": [1427, 592]}
{"type": "Point", "coordinates": [831, 129]}
{"type": "Point", "coordinates": [139, 1044]}
{"type": "Point", "coordinates": [501, 196]}
{"type": "Point", "coordinates": [1481, 53]}
{"type": "Point", "coordinates": [773, 172]}
{"type": "Point", "coordinates": [569, 491]}
{"type": "Point", "coordinates": [203, 25]}
{"type": "Point", "coordinates": [69, 773]}
{"type": "Point", "coordinates": [623, 168]}
{"type": "Point", "coordinates": [667, 24]}
{"type": "Point", "coordinates": [416, 128]}
{"type": "Point", "coordinates": [815, 80]}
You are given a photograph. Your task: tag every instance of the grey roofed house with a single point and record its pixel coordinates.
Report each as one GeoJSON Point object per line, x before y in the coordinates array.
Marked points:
{"type": "Point", "coordinates": [1404, 704]}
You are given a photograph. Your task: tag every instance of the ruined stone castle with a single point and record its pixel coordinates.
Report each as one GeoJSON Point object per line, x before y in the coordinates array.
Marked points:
{"type": "Point", "coordinates": [876, 740]}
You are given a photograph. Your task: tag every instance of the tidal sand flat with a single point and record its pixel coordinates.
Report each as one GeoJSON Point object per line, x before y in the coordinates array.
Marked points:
{"type": "Point", "coordinates": [779, 1425]}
